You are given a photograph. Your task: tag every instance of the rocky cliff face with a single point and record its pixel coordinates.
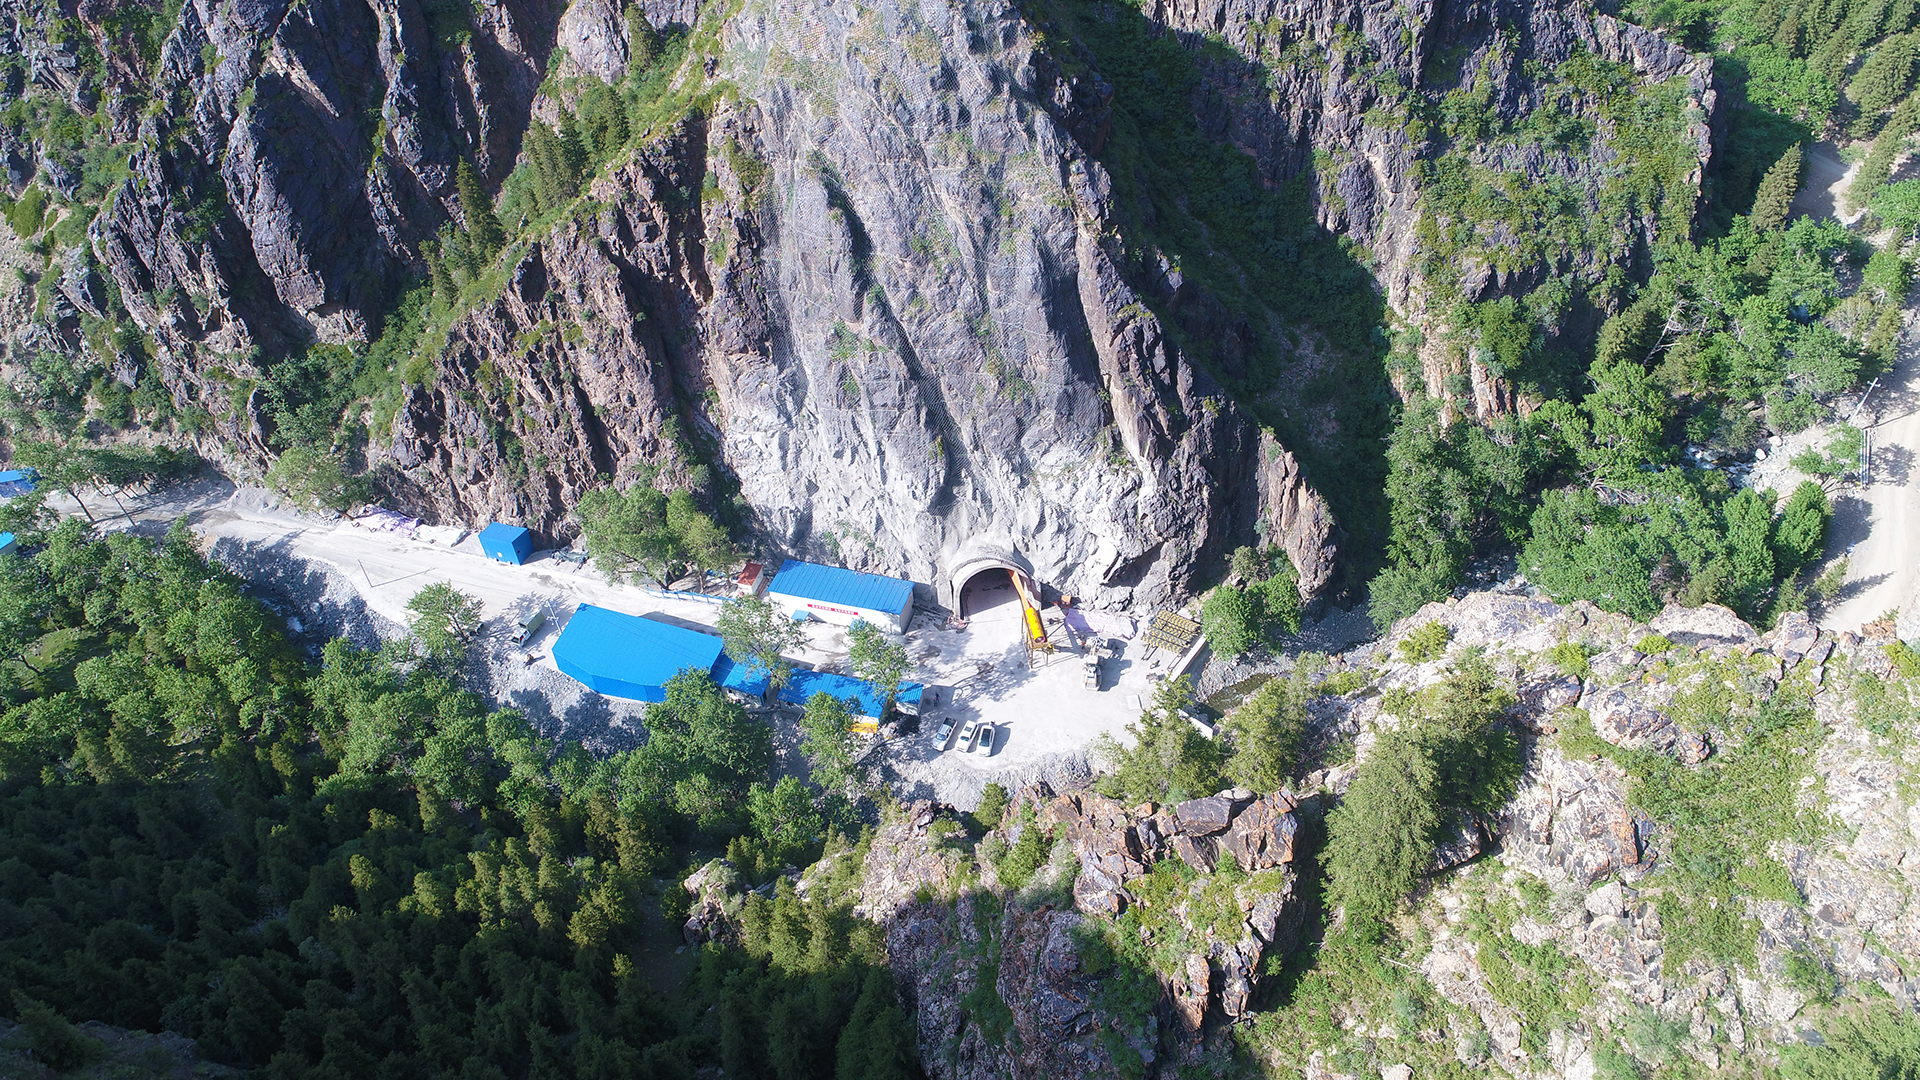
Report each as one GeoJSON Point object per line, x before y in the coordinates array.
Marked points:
{"type": "Point", "coordinates": [1046, 978]}
{"type": "Point", "coordinates": [1477, 150]}
{"type": "Point", "coordinates": [871, 274]}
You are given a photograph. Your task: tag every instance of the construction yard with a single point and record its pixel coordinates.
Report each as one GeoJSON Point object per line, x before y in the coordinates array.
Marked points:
{"type": "Point", "coordinates": [339, 579]}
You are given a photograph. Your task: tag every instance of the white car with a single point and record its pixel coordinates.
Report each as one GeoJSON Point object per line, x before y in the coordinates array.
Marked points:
{"type": "Point", "coordinates": [945, 733]}
{"type": "Point", "coordinates": [966, 736]}
{"type": "Point", "coordinates": [986, 738]}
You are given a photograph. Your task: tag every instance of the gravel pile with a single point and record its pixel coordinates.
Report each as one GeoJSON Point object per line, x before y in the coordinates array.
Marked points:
{"type": "Point", "coordinates": [325, 603]}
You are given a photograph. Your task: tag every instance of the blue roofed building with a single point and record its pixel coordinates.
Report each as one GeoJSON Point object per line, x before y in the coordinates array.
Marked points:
{"type": "Point", "coordinates": [17, 482]}
{"type": "Point", "coordinates": [859, 693]}
{"type": "Point", "coordinates": [627, 656]}
{"type": "Point", "coordinates": [506, 543]}
{"type": "Point", "coordinates": [836, 595]}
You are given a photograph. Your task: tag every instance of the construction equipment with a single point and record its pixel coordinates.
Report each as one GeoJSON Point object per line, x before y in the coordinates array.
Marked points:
{"type": "Point", "coordinates": [1036, 637]}
{"type": "Point", "coordinates": [1171, 631]}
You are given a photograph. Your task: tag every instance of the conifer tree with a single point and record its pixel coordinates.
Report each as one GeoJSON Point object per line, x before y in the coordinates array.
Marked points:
{"type": "Point", "coordinates": [483, 228]}
{"type": "Point", "coordinates": [1774, 200]}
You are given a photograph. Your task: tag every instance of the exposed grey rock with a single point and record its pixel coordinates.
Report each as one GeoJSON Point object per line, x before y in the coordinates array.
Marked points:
{"type": "Point", "coordinates": [1204, 817]}
{"type": "Point", "coordinates": [1623, 718]}
{"type": "Point", "coordinates": [1708, 624]}
{"type": "Point", "coordinates": [1571, 821]}
{"type": "Point", "coordinates": [1196, 853]}
{"type": "Point", "coordinates": [1461, 841]}
{"type": "Point", "coordinates": [1262, 835]}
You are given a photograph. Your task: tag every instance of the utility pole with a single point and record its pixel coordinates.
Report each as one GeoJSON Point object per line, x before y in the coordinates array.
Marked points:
{"type": "Point", "coordinates": [1863, 399]}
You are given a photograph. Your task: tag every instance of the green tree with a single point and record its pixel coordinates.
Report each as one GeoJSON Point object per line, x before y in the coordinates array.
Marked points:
{"type": "Point", "coordinates": [52, 1039]}
{"type": "Point", "coordinates": [1267, 729]}
{"type": "Point", "coordinates": [1380, 837]}
{"type": "Point", "coordinates": [1884, 80]}
{"type": "Point", "coordinates": [1452, 752]}
{"type": "Point", "coordinates": [1800, 532]}
{"type": "Point", "coordinates": [443, 619]}
{"type": "Point", "coordinates": [1626, 416]}
{"type": "Point", "coordinates": [1749, 525]}
{"type": "Point", "coordinates": [697, 538]}
{"type": "Point", "coordinates": [1774, 201]}
{"type": "Point", "coordinates": [878, 1042]}
{"type": "Point", "coordinates": [483, 228]}
{"type": "Point", "coordinates": [702, 751]}
{"type": "Point", "coordinates": [878, 659]}
{"type": "Point", "coordinates": [643, 535]}
{"type": "Point", "coordinates": [784, 816]}
{"type": "Point", "coordinates": [1898, 208]}
{"type": "Point", "coordinates": [314, 479]}
{"type": "Point", "coordinates": [1582, 550]}
{"type": "Point", "coordinates": [627, 533]}
{"type": "Point", "coordinates": [1228, 619]}
{"type": "Point", "coordinates": [992, 807]}
{"type": "Point", "coordinates": [1168, 760]}
{"type": "Point", "coordinates": [1247, 565]}
{"type": "Point", "coordinates": [755, 631]}
{"type": "Point", "coordinates": [826, 738]}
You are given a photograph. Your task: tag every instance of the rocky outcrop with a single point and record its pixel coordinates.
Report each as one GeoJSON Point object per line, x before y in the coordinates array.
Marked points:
{"type": "Point", "coordinates": [1577, 834]}
{"type": "Point", "coordinates": [1062, 978]}
{"type": "Point", "coordinates": [1331, 91]}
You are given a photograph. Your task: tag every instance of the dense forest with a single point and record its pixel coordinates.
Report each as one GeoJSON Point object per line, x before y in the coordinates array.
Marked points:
{"type": "Point", "coordinates": [355, 868]}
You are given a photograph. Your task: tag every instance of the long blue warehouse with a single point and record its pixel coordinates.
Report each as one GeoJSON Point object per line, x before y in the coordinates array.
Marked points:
{"type": "Point", "coordinates": [626, 656]}
{"type": "Point", "coordinates": [859, 693]}
{"type": "Point", "coordinates": [835, 595]}
{"type": "Point", "coordinates": [506, 543]}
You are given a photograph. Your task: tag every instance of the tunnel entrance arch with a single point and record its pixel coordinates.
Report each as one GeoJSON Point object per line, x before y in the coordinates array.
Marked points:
{"type": "Point", "coordinates": [981, 567]}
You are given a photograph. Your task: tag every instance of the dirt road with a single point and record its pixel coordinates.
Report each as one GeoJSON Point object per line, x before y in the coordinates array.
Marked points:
{"type": "Point", "coordinates": [1879, 523]}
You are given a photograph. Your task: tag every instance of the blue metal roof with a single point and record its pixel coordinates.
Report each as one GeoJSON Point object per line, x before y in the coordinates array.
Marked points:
{"type": "Point", "coordinates": [804, 684]}
{"type": "Point", "coordinates": [17, 482]}
{"type": "Point", "coordinates": [834, 585]}
{"type": "Point", "coordinates": [626, 656]}
{"type": "Point", "coordinates": [749, 678]}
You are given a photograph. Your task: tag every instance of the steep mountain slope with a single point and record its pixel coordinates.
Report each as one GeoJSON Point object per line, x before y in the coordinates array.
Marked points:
{"type": "Point", "coordinates": [900, 283]}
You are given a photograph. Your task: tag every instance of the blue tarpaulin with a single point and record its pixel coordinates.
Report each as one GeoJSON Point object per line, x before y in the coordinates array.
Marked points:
{"type": "Point", "coordinates": [626, 656]}
{"type": "Point", "coordinates": [506, 543]}
{"type": "Point", "coordinates": [7, 544]}
{"type": "Point", "coordinates": [866, 700]}
{"type": "Point", "coordinates": [17, 482]}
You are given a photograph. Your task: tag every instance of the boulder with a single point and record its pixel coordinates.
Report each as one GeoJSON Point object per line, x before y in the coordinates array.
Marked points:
{"type": "Point", "coordinates": [1542, 697]}
{"type": "Point", "coordinates": [1190, 994]}
{"type": "Point", "coordinates": [1624, 720]}
{"type": "Point", "coordinates": [1793, 637]}
{"type": "Point", "coordinates": [1609, 899]}
{"type": "Point", "coordinates": [1570, 821]}
{"type": "Point", "coordinates": [1708, 624]}
{"type": "Point", "coordinates": [1692, 748]}
{"type": "Point", "coordinates": [1461, 842]}
{"type": "Point", "coordinates": [1195, 852]}
{"type": "Point", "coordinates": [1261, 836]}
{"type": "Point", "coordinates": [1204, 817]}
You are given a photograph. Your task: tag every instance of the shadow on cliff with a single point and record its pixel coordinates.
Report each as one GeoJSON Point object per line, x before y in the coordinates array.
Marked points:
{"type": "Point", "coordinates": [1283, 313]}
